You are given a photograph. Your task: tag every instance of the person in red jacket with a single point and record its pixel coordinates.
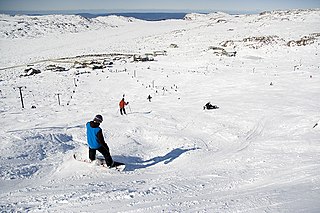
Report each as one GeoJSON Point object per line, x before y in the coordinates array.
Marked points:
{"type": "Point", "coordinates": [122, 104]}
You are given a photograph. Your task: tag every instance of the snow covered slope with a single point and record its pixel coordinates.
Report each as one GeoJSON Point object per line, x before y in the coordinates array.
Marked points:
{"type": "Point", "coordinates": [21, 26]}
{"type": "Point", "coordinates": [259, 152]}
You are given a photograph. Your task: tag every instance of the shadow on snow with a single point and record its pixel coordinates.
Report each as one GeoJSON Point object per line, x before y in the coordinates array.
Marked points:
{"type": "Point", "coordinates": [134, 163]}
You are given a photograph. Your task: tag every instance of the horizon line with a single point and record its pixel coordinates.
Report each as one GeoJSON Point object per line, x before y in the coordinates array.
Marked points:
{"type": "Point", "coordinates": [108, 11]}
{"type": "Point", "coordinates": [95, 11]}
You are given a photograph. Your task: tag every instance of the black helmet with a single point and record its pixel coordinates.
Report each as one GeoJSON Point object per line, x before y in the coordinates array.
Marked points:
{"type": "Point", "coordinates": [98, 119]}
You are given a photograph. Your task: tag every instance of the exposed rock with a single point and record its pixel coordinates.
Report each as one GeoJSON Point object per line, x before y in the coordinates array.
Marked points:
{"type": "Point", "coordinates": [305, 40]}
{"type": "Point", "coordinates": [31, 71]}
{"type": "Point", "coordinates": [173, 46]}
{"type": "Point", "coordinates": [55, 68]}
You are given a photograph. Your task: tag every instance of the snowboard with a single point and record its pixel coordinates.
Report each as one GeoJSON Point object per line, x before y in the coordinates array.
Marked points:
{"type": "Point", "coordinates": [101, 162]}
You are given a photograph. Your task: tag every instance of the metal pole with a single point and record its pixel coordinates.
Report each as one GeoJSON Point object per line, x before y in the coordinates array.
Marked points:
{"type": "Point", "coordinates": [20, 92]}
{"type": "Point", "coordinates": [20, 89]}
{"type": "Point", "coordinates": [58, 94]}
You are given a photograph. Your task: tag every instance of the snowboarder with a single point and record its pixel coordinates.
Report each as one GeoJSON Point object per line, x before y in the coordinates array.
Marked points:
{"type": "Point", "coordinates": [96, 141]}
{"type": "Point", "coordinates": [149, 98]}
{"type": "Point", "coordinates": [122, 104]}
{"type": "Point", "coordinates": [210, 106]}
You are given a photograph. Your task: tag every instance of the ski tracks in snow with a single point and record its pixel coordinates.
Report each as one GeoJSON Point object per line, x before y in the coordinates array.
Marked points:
{"type": "Point", "coordinates": [252, 135]}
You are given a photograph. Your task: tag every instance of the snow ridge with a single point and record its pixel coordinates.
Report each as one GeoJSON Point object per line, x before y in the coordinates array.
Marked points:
{"type": "Point", "coordinates": [22, 26]}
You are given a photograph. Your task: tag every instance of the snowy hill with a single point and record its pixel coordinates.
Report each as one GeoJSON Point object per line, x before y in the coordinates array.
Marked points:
{"type": "Point", "coordinates": [258, 152]}
{"type": "Point", "coordinates": [21, 26]}
{"type": "Point", "coordinates": [207, 17]}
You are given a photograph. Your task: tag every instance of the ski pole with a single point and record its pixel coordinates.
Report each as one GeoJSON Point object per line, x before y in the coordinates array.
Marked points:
{"type": "Point", "coordinates": [130, 108]}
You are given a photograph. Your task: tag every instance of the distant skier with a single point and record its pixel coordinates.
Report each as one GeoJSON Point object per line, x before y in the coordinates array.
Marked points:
{"type": "Point", "coordinates": [149, 98]}
{"type": "Point", "coordinates": [122, 104]}
{"type": "Point", "coordinates": [96, 141]}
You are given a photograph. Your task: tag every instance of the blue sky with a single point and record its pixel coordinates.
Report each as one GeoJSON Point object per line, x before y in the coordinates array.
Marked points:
{"type": "Point", "coordinates": [157, 5]}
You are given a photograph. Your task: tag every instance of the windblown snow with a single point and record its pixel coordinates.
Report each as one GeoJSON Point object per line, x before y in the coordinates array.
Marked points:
{"type": "Point", "coordinates": [259, 152]}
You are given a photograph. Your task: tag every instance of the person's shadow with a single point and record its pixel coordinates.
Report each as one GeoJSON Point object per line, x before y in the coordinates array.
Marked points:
{"type": "Point", "coordinates": [134, 163]}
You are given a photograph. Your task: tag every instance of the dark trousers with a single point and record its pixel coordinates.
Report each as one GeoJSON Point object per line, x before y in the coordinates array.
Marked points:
{"type": "Point", "coordinates": [105, 152]}
{"type": "Point", "coordinates": [122, 110]}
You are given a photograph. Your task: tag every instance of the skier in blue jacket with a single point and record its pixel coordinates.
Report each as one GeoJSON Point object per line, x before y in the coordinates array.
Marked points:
{"type": "Point", "coordinates": [96, 141]}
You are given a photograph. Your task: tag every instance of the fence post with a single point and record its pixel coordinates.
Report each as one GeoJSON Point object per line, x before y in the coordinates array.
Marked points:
{"type": "Point", "coordinates": [21, 97]}
{"type": "Point", "coordinates": [58, 94]}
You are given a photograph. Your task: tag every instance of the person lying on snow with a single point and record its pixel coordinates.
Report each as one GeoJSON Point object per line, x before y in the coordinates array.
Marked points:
{"type": "Point", "coordinates": [96, 141]}
{"type": "Point", "coordinates": [210, 106]}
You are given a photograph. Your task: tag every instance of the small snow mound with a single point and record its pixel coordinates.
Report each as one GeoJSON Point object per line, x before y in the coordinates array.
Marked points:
{"type": "Point", "coordinates": [203, 17]}
{"type": "Point", "coordinates": [34, 151]}
{"type": "Point", "coordinates": [114, 19]}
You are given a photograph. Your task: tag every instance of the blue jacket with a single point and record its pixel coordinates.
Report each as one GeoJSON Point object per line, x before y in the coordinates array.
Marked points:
{"type": "Point", "coordinates": [94, 134]}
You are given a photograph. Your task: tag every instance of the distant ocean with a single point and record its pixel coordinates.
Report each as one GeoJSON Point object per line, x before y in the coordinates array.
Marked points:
{"type": "Point", "coordinates": [148, 16]}
{"type": "Point", "coordinates": [142, 16]}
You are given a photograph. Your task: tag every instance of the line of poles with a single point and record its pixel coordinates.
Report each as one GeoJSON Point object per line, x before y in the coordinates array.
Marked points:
{"type": "Point", "coordinates": [21, 96]}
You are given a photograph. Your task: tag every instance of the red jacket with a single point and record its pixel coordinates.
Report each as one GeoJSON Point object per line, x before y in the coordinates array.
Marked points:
{"type": "Point", "coordinates": [122, 104]}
